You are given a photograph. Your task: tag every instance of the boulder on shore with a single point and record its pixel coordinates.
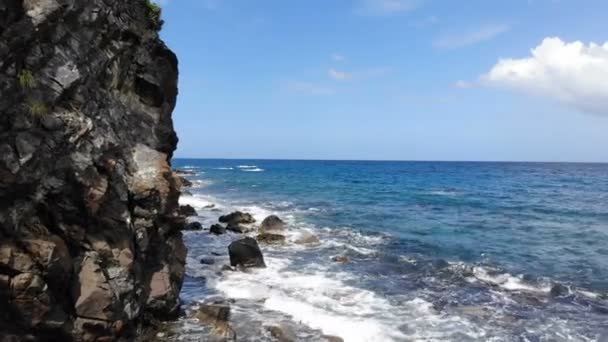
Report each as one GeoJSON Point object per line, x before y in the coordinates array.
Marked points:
{"type": "Point", "coordinates": [237, 217]}
{"type": "Point", "coordinates": [217, 314]}
{"type": "Point", "coordinates": [270, 238]}
{"type": "Point", "coordinates": [194, 226]}
{"type": "Point", "coordinates": [272, 223]}
{"type": "Point", "coordinates": [282, 333]}
{"type": "Point", "coordinates": [246, 253]}
{"type": "Point", "coordinates": [217, 229]}
{"type": "Point", "coordinates": [187, 210]}
{"type": "Point", "coordinates": [239, 228]}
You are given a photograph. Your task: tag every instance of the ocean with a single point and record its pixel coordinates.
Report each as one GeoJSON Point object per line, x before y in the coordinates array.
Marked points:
{"type": "Point", "coordinates": [437, 251]}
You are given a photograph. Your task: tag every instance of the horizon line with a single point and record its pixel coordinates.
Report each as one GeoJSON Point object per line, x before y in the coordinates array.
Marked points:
{"type": "Point", "coordinates": [400, 160]}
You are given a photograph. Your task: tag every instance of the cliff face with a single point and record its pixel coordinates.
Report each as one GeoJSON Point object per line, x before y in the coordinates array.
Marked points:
{"type": "Point", "coordinates": [90, 242]}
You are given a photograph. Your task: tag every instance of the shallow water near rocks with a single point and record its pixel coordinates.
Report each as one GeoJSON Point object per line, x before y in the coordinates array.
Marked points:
{"type": "Point", "coordinates": [435, 251]}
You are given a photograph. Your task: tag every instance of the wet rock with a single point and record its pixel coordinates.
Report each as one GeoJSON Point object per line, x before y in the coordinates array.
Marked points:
{"type": "Point", "coordinates": [340, 258]}
{"type": "Point", "coordinates": [194, 226]}
{"type": "Point", "coordinates": [246, 253]}
{"type": "Point", "coordinates": [272, 223]}
{"type": "Point", "coordinates": [187, 210]}
{"type": "Point", "coordinates": [217, 229]}
{"type": "Point", "coordinates": [217, 314]}
{"type": "Point", "coordinates": [207, 261]}
{"type": "Point", "coordinates": [184, 182]}
{"type": "Point", "coordinates": [237, 217]}
{"type": "Point", "coordinates": [331, 338]}
{"type": "Point", "coordinates": [282, 333]}
{"type": "Point", "coordinates": [228, 268]}
{"type": "Point", "coordinates": [270, 238]}
{"type": "Point", "coordinates": [239, 228]}
{"type": "Point", "coordinates": [307, 238]}
{"type": "Point", "coordinates": [184, 172]}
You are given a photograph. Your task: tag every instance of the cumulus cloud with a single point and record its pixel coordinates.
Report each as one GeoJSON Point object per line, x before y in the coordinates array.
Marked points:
{"type": "Point", "coordinates": [387, 7]}
{"type": "Point", "coordinates": [573, 73]}
{"type": "Point", "coordinates": [462, 39]}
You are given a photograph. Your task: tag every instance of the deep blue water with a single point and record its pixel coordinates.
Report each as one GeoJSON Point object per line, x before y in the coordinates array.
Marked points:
{"type": "Point", "coordinates": [469, 239]}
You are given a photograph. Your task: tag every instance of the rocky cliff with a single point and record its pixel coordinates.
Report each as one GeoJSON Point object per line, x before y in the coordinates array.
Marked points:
{"type": "Point", "coordinates": [90, 242]}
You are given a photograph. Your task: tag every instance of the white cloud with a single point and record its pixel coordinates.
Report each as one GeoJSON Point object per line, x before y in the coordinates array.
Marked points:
{"type": "Point", "coordinates": [452, 41]}
{"type": "Point", "coordinates": [338, 57]}
{"type": "Point", "coordinates": [358, 75]}
{"type": "Point", "coordinates": [461, 84]}
{"type": "Point", "coordinates": [386, 7]}
{"type": "Point", "coordinates": [309, 88]}
{"type": "Point", "coordinates": [338, 75]}
{"type": "Point", "coordinates": [574, 73]}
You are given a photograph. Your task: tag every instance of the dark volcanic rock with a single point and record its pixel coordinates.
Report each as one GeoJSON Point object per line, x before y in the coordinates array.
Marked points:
{"type": "Point", "coordinates": [194, 226]}
{"type": "Point", "coordinates": [90, 234]}
{"type": "Point", "coordinates": [207, 261]}
{"type": "Point", "coordinates": [217, 229]}
{"type": "Point", "coordinates": [183, 182]}
{"type": "Point", "coordinates": [184, 172]}
{"type": "Point", "coordinates": [270, 238]}
{"type": "Point", "coordinates": [246, 253]}
{"type": "Point", "coordinates": [237, 217]}
{"type": "Point", "coordinates": [187, 210]}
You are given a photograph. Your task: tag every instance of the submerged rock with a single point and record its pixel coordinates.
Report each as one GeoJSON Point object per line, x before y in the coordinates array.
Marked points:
{"type": "Point", "coordinates": [272, 223]}
{"type": "Point", "coordinates": [90, 233]}
{"type": "Point", "coordinates": [307, 238]}
{"type": "Point", "coordinates": [340, 258]}
{"type": "Point", "coordinates": [217, 229]}
{"type": "Point", "coordinates": [187, 210]}
{"type": "Point", "coordinates": [246, 253]}
{"type": "Point", "coordinates": [559, 290]}
{"type": "Point", "coordinates": [237, 217]}
{"type": "Point", "coordinates": [270, 238]}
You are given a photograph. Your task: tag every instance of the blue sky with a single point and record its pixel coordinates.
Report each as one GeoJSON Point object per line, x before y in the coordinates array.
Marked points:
{"type": "Point", "coordinates": [391, 79]}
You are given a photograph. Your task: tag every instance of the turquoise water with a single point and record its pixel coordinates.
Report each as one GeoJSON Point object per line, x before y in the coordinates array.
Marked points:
{"type": "Point", "coordinates": [437, 250]}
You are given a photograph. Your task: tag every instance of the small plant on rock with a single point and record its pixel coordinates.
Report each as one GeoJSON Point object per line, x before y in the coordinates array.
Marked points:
{"type": "Point", "coordinates": [154, 11]}
{"type": "Point", "coordinates": [36, 108]}
{"type": "Point", "coordinates": [26, 80]}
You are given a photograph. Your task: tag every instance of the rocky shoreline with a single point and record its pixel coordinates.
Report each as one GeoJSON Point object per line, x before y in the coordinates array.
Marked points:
{"type": "Point", "coordinates": [244, 253]}
{"type": "Point", "coordinates": [91, 246]}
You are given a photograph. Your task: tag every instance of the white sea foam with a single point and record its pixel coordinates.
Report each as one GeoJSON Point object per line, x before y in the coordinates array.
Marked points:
{"type": "Point", "coordinates": [224, 168]}
{"type": "Point", "coordinates": [257, 169]}
{"type": "Point", "coordinates": [507, 281]}
{"type": "Point", "coordinates": [247, 166]}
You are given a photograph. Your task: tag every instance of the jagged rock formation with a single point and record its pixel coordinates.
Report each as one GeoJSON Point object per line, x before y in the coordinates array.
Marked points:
{"type": "Point", "coordinates": [90, 242]}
